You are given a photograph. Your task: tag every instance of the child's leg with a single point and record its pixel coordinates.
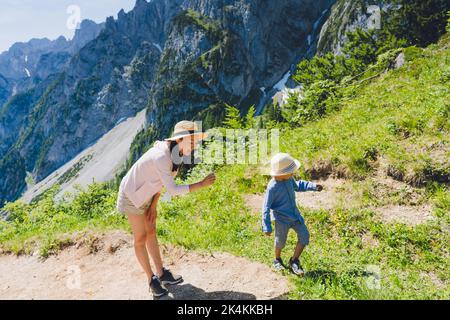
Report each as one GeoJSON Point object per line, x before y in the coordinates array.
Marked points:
{"type": "Point", "coordinates": [278, 253]}
{"type": "Point", "coordinates": [298, 250]}
{"type": "Point", "coordinates": [302, 239]}
{"type": "Point", "coordinates": [281, 232]}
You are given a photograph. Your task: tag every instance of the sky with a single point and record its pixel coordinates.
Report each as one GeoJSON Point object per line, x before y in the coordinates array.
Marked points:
{"type": "Point", "coordinates": [22, 20]}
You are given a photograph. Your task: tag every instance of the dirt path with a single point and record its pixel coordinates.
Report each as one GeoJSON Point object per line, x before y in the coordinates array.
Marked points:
{"type": "Point", "coordinates": [325, 200]}
{"type": "Point", "coordinates": [332, 195]}
{"type": "Point", "coordinates": [106, 268]}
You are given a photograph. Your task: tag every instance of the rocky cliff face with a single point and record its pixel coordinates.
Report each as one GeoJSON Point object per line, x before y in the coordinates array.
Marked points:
{"type": "Point", "coordinates": [347, 16]}
{"type": "Point", "coordinates": [177, 58]}
{"type": "Point", "coordinates": [5, 89]}
{"type": "Point", "coordinates": [233, 52]}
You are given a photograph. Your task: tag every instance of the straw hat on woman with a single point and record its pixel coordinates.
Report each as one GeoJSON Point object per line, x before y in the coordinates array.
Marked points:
{"type": "Point", "coordinates": [139, 193]}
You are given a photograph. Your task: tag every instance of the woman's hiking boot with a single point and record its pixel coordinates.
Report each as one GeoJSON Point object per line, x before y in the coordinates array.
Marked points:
{"type": "Point", "coordinates": [157, 288]}
{"type": "Point", "coordinates": [169, 278]}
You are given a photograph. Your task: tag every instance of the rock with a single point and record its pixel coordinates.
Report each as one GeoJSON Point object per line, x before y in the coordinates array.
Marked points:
{"type": "Point", "coordinates": [347, 16]}
{"type": "Point", "coordinates": [400, 60]}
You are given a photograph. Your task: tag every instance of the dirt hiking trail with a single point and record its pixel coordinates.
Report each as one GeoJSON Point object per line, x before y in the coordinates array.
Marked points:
{"type": "Point", "coordinates": [332, 196]}
{"type": "Point", "coordinates": [106, 268]}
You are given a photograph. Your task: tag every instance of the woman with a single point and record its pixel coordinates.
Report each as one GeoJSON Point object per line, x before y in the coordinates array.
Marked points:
{"type": "Point", "coordinates": [139, 193]}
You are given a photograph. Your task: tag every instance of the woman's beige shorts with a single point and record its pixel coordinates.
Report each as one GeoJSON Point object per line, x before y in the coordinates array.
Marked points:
{"type": "Point", "coordinates": [125, 206]}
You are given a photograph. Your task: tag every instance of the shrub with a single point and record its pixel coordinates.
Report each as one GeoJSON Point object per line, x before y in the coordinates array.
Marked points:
{"type": "Point", "coordinates": [316, 101]}
{"type": "Point", "coordinates": [324, 77]}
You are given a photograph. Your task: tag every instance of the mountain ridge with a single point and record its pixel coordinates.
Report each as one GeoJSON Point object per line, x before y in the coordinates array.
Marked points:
{"type": "Point", "coordinates": [129, 67]}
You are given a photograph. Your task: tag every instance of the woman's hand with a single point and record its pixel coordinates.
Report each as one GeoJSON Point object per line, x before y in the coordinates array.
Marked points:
{"type": "Point", "coordinates": [209, 180]}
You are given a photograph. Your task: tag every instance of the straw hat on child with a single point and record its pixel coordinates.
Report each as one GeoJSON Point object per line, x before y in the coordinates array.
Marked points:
{"type": "Point", "coordinates": [282, 164]}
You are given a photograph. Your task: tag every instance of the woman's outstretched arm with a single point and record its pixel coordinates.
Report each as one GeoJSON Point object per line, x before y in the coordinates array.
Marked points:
{"type": "Point", "coordinates": [209, 180]}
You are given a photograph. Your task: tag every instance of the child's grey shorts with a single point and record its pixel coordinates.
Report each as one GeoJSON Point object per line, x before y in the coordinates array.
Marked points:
{"type": "Point", "coordinates": [282, 229]}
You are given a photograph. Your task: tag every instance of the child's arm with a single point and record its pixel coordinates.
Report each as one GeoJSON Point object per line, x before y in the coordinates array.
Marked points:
{"type": "Point", "coordinates": [302, 186]}
{"type": "Point", "coordinates": [266, 223]}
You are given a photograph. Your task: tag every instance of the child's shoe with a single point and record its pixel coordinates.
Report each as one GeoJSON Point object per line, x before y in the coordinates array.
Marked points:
{"type": "Point", "coordinates": [278, 264]}
{"type": "Point", "coordinates": [296, 268]}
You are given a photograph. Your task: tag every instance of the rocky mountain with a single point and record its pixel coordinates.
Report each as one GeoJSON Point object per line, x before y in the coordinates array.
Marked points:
{"type": "Point", "coordinates": [233, 53]}
{"type": "Point", "coordinates": [346, 16]}
{"type": "Point", "coordinates": [26, 72]}
{"type": "Point", "coordinates": [17, 62]}
{"type": "Point", "coordinates": [26, 64]}
{"type": "Point", "coordinates": [178, 59]}
{"type": "Point", "coordinates": [24, 59]}
{"type": "Point", "coordinates": [5, 89]}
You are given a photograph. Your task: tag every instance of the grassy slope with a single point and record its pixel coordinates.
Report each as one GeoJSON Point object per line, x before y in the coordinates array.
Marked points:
{"type": "Point", "coordinates": [397, 124]}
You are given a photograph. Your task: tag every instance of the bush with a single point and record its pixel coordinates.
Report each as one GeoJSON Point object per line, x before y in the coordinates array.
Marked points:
{"type": "Point", "coordinates": [317, 100]}
{"type": "Point", "coordinates": [319, 68]}
{"type": "Point", "coordinates": [322, 77]}
{"type": "Point", "coordinates": [93, 202]}
{"type": "Point", "coordinates": [45, 219]}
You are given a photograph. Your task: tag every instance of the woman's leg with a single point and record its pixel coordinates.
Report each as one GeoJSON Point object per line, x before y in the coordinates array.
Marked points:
{"type": "Point", "coordinates": [138, 223]}
{"type": "Point", "coordinates": [152, 240]}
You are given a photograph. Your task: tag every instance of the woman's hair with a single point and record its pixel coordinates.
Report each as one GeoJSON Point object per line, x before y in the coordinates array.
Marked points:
{"type": "Point", "coordinates": [175, 166]}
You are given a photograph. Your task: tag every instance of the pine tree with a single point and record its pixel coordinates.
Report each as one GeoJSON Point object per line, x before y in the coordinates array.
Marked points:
{"type": "Point", "coordinates": [420, 22]}
{"type": "Point", "coordinates": [273, 113]}
{"type": "Point", "coordinates": [250, 118]}
{"type": "Point", "coordinates": [232, 118]}
{"type": "Point", "coordinates": [290, 109]}
{"type": "Point", "coordinates": [447, 28]}
{"type": "Point", "coordinates": [326, 67]}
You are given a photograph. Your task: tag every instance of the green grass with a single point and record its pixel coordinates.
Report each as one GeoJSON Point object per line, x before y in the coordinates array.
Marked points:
{"type": "Point", "coordinates": [338, 260]}
{"type": "Point", "coordinates": [46, 224]}
{"type": "Point", "coordinates": [397, 125]}
{"type": "Point", "coordinates": [399, 118]}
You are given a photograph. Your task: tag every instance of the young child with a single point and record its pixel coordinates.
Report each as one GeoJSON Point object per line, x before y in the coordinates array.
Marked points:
{"type": "Point", "coordinates": [280, 198]}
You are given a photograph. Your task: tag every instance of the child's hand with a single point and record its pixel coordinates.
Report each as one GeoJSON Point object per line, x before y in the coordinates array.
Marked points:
{"type": "Point", "coordinates": [268, 234]}
{"type": "Point", "coordinates": [319, 187]}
